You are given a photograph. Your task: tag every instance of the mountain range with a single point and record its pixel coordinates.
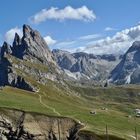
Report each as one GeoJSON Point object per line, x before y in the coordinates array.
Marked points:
{"type": "Point", "coordinates": [115, 69]}
{"type": "Point", "coordinates": [58, 65]}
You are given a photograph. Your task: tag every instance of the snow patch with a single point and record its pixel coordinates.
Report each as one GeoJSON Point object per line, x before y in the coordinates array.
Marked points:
{"type": "Point", "coordinates": [75, 75]}
{"type": "Point", "coordinates": [70, 74]}
{"type": "Point", "coordinates": [128, 78]}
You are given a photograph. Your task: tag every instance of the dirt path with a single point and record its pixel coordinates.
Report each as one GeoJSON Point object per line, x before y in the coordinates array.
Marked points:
{"type": "Point", "coordinates": [45, 105]}
{"type": "Point", "coordinates": [132, 137]}
{"type": "Point", "coordinates": [54, 110]}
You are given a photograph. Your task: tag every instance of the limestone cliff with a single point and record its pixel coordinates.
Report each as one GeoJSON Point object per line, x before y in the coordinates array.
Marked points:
{"type": "Point", "coordinates": [18, 125]}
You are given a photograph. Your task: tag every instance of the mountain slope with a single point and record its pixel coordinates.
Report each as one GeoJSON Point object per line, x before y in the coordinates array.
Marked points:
{"type": "Point", "coordinates": [128, 70]}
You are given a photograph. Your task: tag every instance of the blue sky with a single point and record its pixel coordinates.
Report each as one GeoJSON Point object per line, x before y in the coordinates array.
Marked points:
{"type": "Point", "coordinates": [111, 16]}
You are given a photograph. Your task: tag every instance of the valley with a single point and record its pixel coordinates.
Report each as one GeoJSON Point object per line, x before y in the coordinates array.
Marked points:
{"type": "Point", "coordinates": [37, 81]}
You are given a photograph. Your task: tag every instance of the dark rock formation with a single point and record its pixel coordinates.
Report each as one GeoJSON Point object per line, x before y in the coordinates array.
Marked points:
{"type": "Point", "coordinates": [17, 49]}
{"type": "Point", "coordinates": [4, 64]}
{"type": "Point", "coordinates": [5, 49]}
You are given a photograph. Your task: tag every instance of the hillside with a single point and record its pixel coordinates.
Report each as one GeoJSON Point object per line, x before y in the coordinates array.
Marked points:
{"type": "Point", "coordinates": [78, 103]}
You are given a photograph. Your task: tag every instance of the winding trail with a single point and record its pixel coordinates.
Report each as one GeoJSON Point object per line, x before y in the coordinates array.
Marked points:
{"type": "Point", "coordinates": [51, 108]}
{"type": "Point", "coordinates": [132, 137]}
{"type": "Point", "coordinates": [54, 110]}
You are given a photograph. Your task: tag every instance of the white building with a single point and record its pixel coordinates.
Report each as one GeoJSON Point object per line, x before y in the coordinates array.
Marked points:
{"type": "Point", "coordinates": [137, 111]}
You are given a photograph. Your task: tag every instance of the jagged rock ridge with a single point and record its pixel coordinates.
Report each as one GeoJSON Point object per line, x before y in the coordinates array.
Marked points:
{"type": "Point", "coordinates": [31, 48]}
{"type": "Point", "coordinates": [31, 44]}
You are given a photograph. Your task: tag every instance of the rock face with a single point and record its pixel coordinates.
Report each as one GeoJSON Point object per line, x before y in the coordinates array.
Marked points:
{"type": "Point", "coordinates": [6, 49]}
{"type": "Point", "coordinates": [128, 70]}
{"type": "Point", "coordinates": [85, 66]}
{"type": "Point", "coordinates": [18, 125]}
{"type": "Point", "coordinates": [32, 46]}
{"type": "Point", "coordinates": [9, 77]}
{"type": "Point", "coordinates": [32, 49]}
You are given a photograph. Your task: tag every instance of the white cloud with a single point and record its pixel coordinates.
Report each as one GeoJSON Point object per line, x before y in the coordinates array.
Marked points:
{"type": "Point", "coordinates": [119, 43]}
{"type": "Point", "coordinates": [9, 35]}
{"type": "Point", "coordinates": [109, 29]}
{"type": "Point", "coordinates": [49, 40]}
{"type": "Point", "coordinates": [68, 45]}
{"type": "Point", "coordinates": [71, 45]}
{"type": "Point", "coordinates": [82, 13]}
{"type": "Point", "coordinates": [65, 43]}
{"type": "Point", "coordinates": [89, 37]}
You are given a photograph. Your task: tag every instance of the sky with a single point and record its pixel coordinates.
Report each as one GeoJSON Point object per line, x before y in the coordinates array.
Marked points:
{"type": "Point", "coordinates": [92, 26]}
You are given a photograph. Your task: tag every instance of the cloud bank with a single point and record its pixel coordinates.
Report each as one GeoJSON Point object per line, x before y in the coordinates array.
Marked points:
{"type": "Point", "coordinates": [49, 40]}
{"type": "Point", "coordinates": [82, 13]}
{"type": "Point", "coordinates": [116, 44]}
{"type": "Point", "coordinates": [109, 29]}
{"type": "Point", "coordinates": [88, 37]}
{"type": "Point", "coordinates": [119, 43]}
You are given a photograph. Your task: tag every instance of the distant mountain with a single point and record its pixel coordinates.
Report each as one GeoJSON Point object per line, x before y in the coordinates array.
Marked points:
{"type": "Point", "coordinates": [128, 70]}
{"type": "Point", "coordinates": [86, 66]}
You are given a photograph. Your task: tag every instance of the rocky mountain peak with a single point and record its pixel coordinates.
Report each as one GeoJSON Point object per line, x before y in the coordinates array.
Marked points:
{"type": "Point", "coordinates": [128, 70]}
{"type": "Point", "coordinates": [27, 30]}
{"type": "Point", "coordinates": [29, 33]}
{"type": "Point", "coordinates": [5, 49]}
{"type": "Point", "coordinates": [35, 46]}
{"type": "Point", "coordinates": [17, 40]}
{"type": "Point", "coordinates": [136, 44]}
{"type": "Point", "coordinates": [135, 47]}
{"type": "Point", "coordinates": [31, 46]}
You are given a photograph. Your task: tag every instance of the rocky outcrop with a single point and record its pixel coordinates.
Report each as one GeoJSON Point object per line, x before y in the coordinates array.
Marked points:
{"type": "Point", "coordinates": [8, 75]}
{"type": "Point", "coordinates": [18, 49]}
{"type": "Point", "coordinates": [4, 64]}
{"type": "Point", "coordinates": [5, 49]}
{"type": "Point", "coordinates": [128, 70]}
{"type": "Point", "coordinates": [18, 125]}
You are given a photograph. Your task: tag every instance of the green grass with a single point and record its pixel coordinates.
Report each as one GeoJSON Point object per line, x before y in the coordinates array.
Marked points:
{"type": "Point", "coordinates": [68, 104]}
{"type": "Point", "coordinates": [77, 102]}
